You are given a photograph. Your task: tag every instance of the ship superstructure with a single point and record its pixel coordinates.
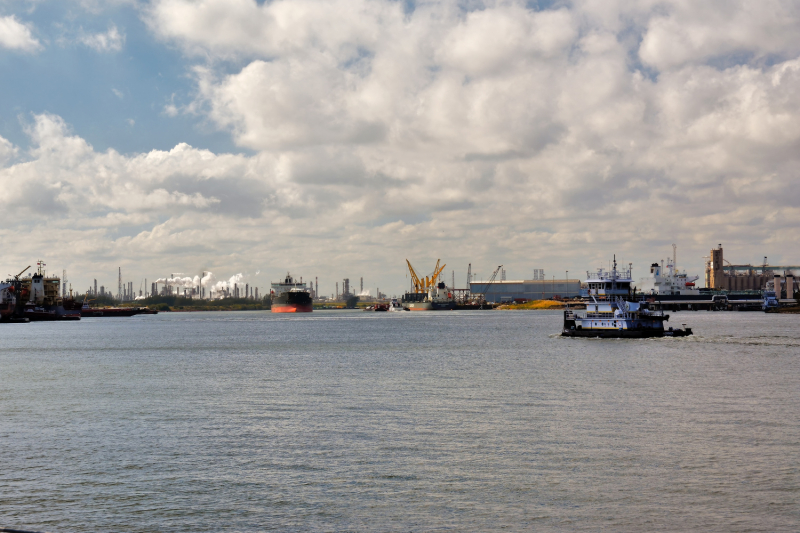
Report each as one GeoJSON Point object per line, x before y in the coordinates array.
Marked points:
{"type": "Point", "coordinates": [608, 284]}
{"type": "Point", "coordinates": [665, 279]}
{"type": "Point", "coordinates": [41, 299]}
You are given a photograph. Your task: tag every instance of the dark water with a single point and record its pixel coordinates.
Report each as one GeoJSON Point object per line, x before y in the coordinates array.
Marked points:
{"type": "Point", "coordinates": [461, 421]}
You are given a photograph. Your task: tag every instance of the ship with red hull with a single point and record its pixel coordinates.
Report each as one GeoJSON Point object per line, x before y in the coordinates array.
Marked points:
{"type": "Point", "coordinates": [291, 296]}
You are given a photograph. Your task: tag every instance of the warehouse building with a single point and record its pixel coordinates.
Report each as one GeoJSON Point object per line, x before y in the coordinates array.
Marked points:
{"type": "Point", "coordinates": [509, 291]}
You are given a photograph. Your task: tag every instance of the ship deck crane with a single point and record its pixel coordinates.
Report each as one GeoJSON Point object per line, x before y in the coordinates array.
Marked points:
{"type": "Point", "coordinates": [423, 284]}
{"type": "Point", "coordinates": [21, 273]}
{"type": "Point", "coordinates": [437, 270]}
{"type": "Point", "coordinates": [414, 278]}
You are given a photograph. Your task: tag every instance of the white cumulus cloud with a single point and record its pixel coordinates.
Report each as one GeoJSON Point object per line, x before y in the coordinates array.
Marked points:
{"type": "Point", "coordinates": [110, 41]}
{"type": "Point", "coordinates": [15, 35]}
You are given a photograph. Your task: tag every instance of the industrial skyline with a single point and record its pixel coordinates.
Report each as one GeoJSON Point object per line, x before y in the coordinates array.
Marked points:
{"type": "Point", "coordinates": [162, 134]}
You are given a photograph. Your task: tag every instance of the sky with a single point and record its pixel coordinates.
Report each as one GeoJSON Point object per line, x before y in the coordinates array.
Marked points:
{"type": "Point", "coordinates": [339, 138]}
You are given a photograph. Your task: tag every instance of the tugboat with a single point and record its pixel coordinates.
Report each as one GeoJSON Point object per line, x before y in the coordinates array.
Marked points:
{"type": "Point", "coordinates": [290, 296]}
{"type": "Point", "coordinates": [396, 306]}
{"type": "Point", "coordinates": [618, 318]}
{"type": "Point", "coordinates": [610, 315]}
{"type": "Point", "coordinates": [770, 303]}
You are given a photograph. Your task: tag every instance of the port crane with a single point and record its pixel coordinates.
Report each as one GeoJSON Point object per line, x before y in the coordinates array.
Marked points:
{"type": "Point", "coordinates": [485, 288]}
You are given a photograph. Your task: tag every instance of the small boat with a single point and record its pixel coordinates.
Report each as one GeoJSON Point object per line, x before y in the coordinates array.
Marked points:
{"type": "Point", "coordinates": [380, 307]}
{"type": "Point", "coordinates": [394, 305]}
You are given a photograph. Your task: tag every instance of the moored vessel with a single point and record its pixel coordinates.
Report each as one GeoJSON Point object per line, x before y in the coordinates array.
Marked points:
{"type": "Point", "coordinates": [87, 311]}
{"type": "Point", "coordinates": [290, 296]}
{"type": "Point", "coordinates": [40, 300]}
{"type": "Point", "coordinates": [437, 298]}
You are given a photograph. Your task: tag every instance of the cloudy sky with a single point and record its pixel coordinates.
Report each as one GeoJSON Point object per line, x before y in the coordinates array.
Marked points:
{"type": "Point", "coordinates": [338, 138]}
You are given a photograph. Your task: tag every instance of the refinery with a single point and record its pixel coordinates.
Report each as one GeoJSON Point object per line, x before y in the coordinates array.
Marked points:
{"type": "Point", "coordinates": [34, 295]}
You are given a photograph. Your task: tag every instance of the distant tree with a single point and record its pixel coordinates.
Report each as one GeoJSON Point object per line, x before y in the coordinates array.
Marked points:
{"type": "Point", "coordinates": [351, 302]}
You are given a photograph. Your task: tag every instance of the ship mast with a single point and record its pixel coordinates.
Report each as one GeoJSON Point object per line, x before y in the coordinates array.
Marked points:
{"type": "Point", "coordinates": [674, 259]}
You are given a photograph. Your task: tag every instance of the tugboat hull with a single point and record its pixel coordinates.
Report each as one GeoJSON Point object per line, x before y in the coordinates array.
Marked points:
{"type": "Point", "coordinates": [627, 334]}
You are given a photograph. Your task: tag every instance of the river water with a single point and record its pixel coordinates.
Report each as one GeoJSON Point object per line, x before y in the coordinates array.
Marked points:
{"type": "Point", "coordinates": [346, 420]}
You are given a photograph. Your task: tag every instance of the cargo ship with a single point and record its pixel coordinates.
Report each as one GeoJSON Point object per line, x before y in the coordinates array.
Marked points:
{"type": "Point", "coordinates": [290, 296]}
{"type": "Point", "coordinates": [438, 298]}
{"type": "Point", "coordinates": [39, 298]}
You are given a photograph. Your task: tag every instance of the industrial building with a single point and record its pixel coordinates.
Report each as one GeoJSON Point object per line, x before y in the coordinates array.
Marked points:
{"type": "Point", "coordinates": [530, 289]}
{"type": "Point", "coordinates": [722, 275]}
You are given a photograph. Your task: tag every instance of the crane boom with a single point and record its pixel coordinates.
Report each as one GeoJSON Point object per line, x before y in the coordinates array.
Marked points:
{"type": "Point", "coordinates": [486, 287]}
{"type": "Point", "coordinates": [425, 283]}
{"type": "Point", "coordinates": [23, 271]}
{"type": "Point", "coordinates": [418, 287]}
{"type": "Point", "coordinates": [436, 271]}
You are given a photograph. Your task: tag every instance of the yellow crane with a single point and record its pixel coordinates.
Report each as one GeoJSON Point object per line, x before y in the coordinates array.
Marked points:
{"type": "Point", "coordinates": [423, 284]}
{"type": "Point", "coordinates": [436, 271]}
